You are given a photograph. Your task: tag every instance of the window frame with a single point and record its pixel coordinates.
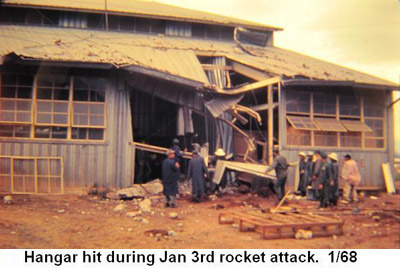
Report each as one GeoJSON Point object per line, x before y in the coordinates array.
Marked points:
{"type": "Point", "coordinates": [34, 100]}
{"type": "Point", "coordinates": [340, 118]}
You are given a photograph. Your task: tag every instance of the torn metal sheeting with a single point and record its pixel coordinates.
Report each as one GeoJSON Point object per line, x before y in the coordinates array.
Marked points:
{"type": "Point", "coordinates": [249, 168]}
{"type": "Point", "coordinates": [221, 103]}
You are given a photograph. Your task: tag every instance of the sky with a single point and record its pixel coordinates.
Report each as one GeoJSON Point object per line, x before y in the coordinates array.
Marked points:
{"type": "Point", "coordinates": [359, 34]}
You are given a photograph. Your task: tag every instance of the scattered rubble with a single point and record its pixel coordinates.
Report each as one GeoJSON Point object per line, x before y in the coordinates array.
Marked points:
{"type": "Point", "coordinates": [7, 199]}
{"type": "Point", "coordinates": [173, 215]}
{"type": "Point", "coordinates": [172, 233]}
{"type": "Point", "coordinates": [155, 232]}
{"type": "Point", "coordinates": [145, 205]}
{"type": "Point", "coordinates": [119, 208]}
{"type": "Point", "coordinates": [135, 191]}
{"type": "Point", "coordinates": [133, 214]}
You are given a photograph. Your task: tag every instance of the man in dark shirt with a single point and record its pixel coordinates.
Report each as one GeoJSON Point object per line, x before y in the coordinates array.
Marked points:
{"type": "Point", "coordinates": [197, 172]}
{"type": "Point", "coordinates": [280, 165]}
{"type": "Point", "coordinates": [170, 177]}
{"type": "Point", "coordinates": [323, 180]}
{"type": "Point", "coordinates": [177, 150]}
{"type": "Point", "coordinates": [334, 182]}
{"type": "Point", "coordinates": [316, 168]}
{"type": "Point", "coordinates": [302, 177]}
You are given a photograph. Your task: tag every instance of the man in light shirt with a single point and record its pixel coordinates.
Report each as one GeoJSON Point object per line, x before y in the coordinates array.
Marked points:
{"type": "Point", "coordinates": [351, 176]}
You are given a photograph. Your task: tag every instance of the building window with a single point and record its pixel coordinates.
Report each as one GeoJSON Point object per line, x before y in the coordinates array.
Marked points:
{"type": "Point", "coordinates": [349, 105]}
{"type": "Point", "coordinates": [73, 20]}
{"type": "Point", "coordinates": [350, 139]}
{"type": "Point", "coordinates": [359, 122]}
{"type": "Point", "coordinates": [57, 111]}
{"type": "Point", "coordinates": [298, 137]}
{"type": "Point", "coordinates": [31, 175]}
{"type": "Point", "coordinates": [325, 138]}
{"type": "Point", "coordinates": [298, 102]}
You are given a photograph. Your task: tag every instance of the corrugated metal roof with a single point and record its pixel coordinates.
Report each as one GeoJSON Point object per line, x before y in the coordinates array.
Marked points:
{"type": "Point", "coordinates": [98, 47]}
{"type": "Point", "coordinates": [173, 55]}
{"type": "Point", "coordinates": [142, 8]}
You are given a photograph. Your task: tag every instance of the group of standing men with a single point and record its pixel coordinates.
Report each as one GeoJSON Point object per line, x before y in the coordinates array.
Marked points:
{"type": "Point", "coordinates": [197, 171]}
{"type": "Point", "coordinates": [320, 172]}
{"type": "Point", "coordinates": [319, 176]}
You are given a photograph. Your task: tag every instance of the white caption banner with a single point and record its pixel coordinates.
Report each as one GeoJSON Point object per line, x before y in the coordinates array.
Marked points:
{"type": "Point", "coordinates": [123, 258]}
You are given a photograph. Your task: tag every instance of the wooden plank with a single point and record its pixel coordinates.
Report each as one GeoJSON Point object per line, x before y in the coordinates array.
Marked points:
{"type": "Point", "coordinates": [387, 175]}
{"type": "Point", "coordinates": [270, 124]}
{"type": "Point", "coordinates": [275, 226]}
{"type": "Point", "coordinates": [209, 67]}
{"type": "Point", "coordinates": [249, 71]}
{"type": "Point", "coordinates": [158, 149]}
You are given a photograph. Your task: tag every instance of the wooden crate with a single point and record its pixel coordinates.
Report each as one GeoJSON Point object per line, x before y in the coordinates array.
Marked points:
{"type": "Point", "coordinates": [273, 226]}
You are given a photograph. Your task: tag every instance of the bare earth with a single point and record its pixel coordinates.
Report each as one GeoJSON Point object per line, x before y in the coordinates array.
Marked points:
{"type": "Point", "coordinates": [82, 221]}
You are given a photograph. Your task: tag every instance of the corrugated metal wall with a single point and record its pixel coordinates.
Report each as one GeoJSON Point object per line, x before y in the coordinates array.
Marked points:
{"type": "Point", "coordinates": [111, 163]}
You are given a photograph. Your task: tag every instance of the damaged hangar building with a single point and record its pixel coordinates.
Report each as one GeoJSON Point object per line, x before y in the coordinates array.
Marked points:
{"type": "Point", "coordinates": [82, 83]}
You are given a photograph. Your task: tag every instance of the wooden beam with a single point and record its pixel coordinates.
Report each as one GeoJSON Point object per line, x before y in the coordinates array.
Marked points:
{"type": "Point", "coordinates": [249, 71]}
{"type": "Point", "coordinates": [263, 107]}
{"type": "Point", "coordinates": [270, 124]}
{"type": "Point", "coordinates": [209, 67]}
{"type": "Point", "coordinates": [158, 149]}
{"type": "Point", "coordinates": [253, 86]}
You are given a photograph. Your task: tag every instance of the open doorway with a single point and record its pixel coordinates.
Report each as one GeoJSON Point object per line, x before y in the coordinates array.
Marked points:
{"type": "Point", "coordinates": [154, 122]}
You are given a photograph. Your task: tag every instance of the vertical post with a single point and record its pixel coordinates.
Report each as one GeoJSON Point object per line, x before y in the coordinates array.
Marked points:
{"type": "Point", "coordinates": [270, 124]}
{"type": "Point", "coordinates": [35, 162]}
{"type": "Point", "coordinates": [49, 175]}
{"type": "Point", "coordinates": [62, 175]}
{"type": "Point", "coordinates": [12, 174]}
{"type": "Point", "coordinates": [106, 13]}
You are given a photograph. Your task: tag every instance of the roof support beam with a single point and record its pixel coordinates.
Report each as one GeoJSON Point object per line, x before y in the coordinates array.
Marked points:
{"type": "Point", "coordinates": [249, 72]}
{"type": "Point", "coordinates": [253, 86]}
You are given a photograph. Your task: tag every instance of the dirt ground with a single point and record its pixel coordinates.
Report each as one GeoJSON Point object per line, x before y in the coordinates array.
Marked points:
{"type": "Point", "coordinates": [82, 221]}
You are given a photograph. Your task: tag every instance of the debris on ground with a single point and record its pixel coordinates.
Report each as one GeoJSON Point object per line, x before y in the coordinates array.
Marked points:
{"type": "Point", "coordinates": [130, 193]}
{"type": "Point", "coordinates": [173, 215]}
{"type": "Point", "coordinates": [356, 210]}
{"type": "Point", "coordinates": [155, 232]}
{"type": "Point", "coordinates": [145, 205]}
{"type": "Point", "coordinates": [244, 189]}
{"type": "Point", "coordinates": [133, 214]}
{"type": "Point", "coordinates": [7, 199]}
{"type": "Point", "coordinates": [119, 208]}
{"type": "Point", "coordinates": [303, 234]}
{"type": "Point", "coordinates": [99, 191]}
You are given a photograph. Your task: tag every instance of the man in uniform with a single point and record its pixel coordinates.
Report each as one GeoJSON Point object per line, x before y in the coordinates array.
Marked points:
{"type": "Point", "coordinates": [316, 168]}
{"type": "Point", "coordinates": [177, 150]}
{"type": "Point", "coordinates": [308, 171]}
{"type": "Point", "coordinates": [197, 172]}
{"type": "Point", "coordinates": [322, 181]}
{"type": "Point", "coordinates": [334, 182]}
{"type": "Point", "coordinates": [170, 177]}
{"type": "Point", "coordinates": [302, 177]}
{"type": "Point", "coordinates": [280, 165]}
